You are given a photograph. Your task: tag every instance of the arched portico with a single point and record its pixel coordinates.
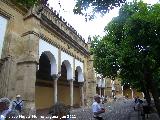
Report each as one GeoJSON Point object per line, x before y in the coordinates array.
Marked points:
{"type": "Point", "coordinates": [44, 82]}
{"type": "Point", "coordinates": [78, 87]}
{"type": "Point", "coordinates": [80, 74]}
{"type": "Point", "coordinates": [68, 69]}
{"type": "Point", "coordinates": [52, 62]}
{"type": "Point", "coordinates": [63, 84]}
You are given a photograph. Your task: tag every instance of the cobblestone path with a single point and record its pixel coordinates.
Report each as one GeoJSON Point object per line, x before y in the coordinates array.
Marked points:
{"type": "Point", "coordinates": [118, 110]}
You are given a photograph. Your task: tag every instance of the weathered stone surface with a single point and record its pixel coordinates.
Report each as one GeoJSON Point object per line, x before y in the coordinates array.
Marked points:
{"type": "Point", "coordinates": [24, 30]}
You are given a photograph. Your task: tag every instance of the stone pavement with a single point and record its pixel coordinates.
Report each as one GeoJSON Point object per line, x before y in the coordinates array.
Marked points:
{"type": "Point", "coordinates": [116, 110]}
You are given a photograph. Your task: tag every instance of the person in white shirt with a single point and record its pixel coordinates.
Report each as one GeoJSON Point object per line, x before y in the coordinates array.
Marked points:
{"type": "Point", "coordinates": [97, 109]}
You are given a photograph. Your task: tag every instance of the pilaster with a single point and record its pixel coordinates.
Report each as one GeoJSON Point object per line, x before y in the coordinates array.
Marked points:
{"type": "Point", "coordinates": [26, 72]}
{"type": "Point", "coordinates": [90, 81]}
{"type": "Point", "coordinates": [59, 59]}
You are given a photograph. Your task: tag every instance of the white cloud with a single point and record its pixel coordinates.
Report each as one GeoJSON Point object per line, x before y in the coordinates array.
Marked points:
{"type": "Point", "coordinates": [85, 29]}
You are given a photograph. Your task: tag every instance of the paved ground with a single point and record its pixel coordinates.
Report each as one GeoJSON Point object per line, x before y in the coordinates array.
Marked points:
{"type": "Point", "coordinates": [116, 110]}
{"type": "Point", "coordinates": [119, 110]}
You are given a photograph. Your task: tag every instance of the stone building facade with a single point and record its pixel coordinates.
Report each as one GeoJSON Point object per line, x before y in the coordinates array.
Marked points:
{"type": "Point", "coordinates": [43, 58]}
{"type": "Point", "coordinates": [110, 88]}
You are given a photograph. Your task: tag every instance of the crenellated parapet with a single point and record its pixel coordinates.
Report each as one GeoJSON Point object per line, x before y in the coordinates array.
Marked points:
{"type": "Point", "coordinates": [51, 19]}
{"type": "Point", "coordinates": [61, 23]}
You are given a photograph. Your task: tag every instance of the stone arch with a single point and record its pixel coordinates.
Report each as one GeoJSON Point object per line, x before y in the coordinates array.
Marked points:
{"type": "Point", "coordinates": [52, 62]}
{"type": "Point", "coordinates": [80, 74]}
{"type": "Point", "coordinates": [64, 83]}
{"type": "Point", "coordinates": [77, 94]}
{"type": "Point", "coordinates": [52, 53]}
{"type": "Point", "coordinates": [69, 69]}
{"type": "Point", "coordinates": [44, 81]}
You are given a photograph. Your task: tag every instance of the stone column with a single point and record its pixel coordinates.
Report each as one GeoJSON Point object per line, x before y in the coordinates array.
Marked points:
{"type": "Point", "coordinates": [143, 94]}
{"type": "Point", "coordinates": [113, 89]}
{"type": "Point", "coordinates": [132, 93]}
{"type": "Point", "coordinates": [122, 90]}
{"type": "Point", "coordinates": [59, 69]}
{"type": "Point", "coordinates": [55, 78]}
{"type": "Point", "coordinates": [71, 92]}
{"type": "Point", "coordinates": [55, 91]}
{"type": "Point", "coordinates": [104, 92]}
{"type": "Point", "coordinates": [100, 91]}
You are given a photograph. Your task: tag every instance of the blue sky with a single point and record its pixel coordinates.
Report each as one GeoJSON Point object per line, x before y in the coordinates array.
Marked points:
{"type": "Point", "coordinates": [3, 24]}
{"type": "Point", "coordinates": [95, 27]}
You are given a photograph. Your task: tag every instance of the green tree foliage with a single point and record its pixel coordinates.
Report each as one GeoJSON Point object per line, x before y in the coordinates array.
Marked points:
{"type": "Point", "coordinates": [27, 3]}
{"type": "Point", "coordinates": [105, 61]}
{"type": "Point", "coordinates": [132, 42]}
{"type": "Point", "coordinates": [98, 6]}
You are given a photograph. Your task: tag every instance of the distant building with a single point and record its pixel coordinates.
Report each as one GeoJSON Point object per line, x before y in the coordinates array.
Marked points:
{"type": "Point", "coordinates": [111, 88]}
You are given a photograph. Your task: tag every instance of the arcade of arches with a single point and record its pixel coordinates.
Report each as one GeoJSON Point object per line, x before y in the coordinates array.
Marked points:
{"type": "Point", "coordinates": [113, 88]}
{"type": "Point", "coordinates": [64, 88]}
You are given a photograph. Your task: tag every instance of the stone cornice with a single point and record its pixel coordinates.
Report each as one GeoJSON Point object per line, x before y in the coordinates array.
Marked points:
{"type": "Point", "coordinates": [51, 22]}
{"type": "Point", "coordinates": [3, 60]}
{"type": "Point", "coordinates": [5, 14]}
{"type": "Point", "coordinates": [50, 41]}
{"type": "Point", "coordinates": [59, 46]}
{"type": "Point", "coordinates": [55, 24]}
{"type": "Point", "coordinates": [16, 6]}
{"type": "Point", "coordinates": [27, 62]}
{"type": "Point", "coordinates": [92, 82]}
{"type": "Point", "coordinates": [61, 34]}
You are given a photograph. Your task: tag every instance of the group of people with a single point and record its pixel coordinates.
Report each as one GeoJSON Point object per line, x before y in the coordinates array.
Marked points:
{"type": "Point", "coordinates": [9, 110]}
{"type": "Point", "coordinates": [138, 103]}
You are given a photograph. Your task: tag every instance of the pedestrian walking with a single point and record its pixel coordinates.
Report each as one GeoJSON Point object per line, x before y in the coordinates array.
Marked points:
{"type": "Point", "coordinates": [136, 99]}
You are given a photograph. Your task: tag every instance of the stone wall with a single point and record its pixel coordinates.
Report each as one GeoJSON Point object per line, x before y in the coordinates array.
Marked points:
{"type": "Point", "coordinates": [24, 30]}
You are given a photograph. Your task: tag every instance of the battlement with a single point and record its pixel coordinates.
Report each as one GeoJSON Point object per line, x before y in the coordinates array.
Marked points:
{"type": "Point", "coordinates": [59, 21]}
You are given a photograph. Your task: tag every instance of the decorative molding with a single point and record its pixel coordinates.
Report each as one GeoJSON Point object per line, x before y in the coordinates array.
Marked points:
{"type": "Point", "coordinates": [55, 23]}
{"type": "Point", "coordinates": [27, 62]}
{"type": "Point", "coordinates": [6, 14]}
{"type": "Point", "coordinates": [30, 32]}
{"type": "Point", "coordinates": [16, 6]}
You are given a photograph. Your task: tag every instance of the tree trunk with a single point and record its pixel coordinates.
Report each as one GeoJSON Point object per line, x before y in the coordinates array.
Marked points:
{"type": "Point", "coordinates": [146, 91]}
{"type": "Point", "coordinates": [153, 88]}
{"type": "Point", "coordinates": [154, 91]}
{"type": "Point", "coordinates": [147, 96]}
